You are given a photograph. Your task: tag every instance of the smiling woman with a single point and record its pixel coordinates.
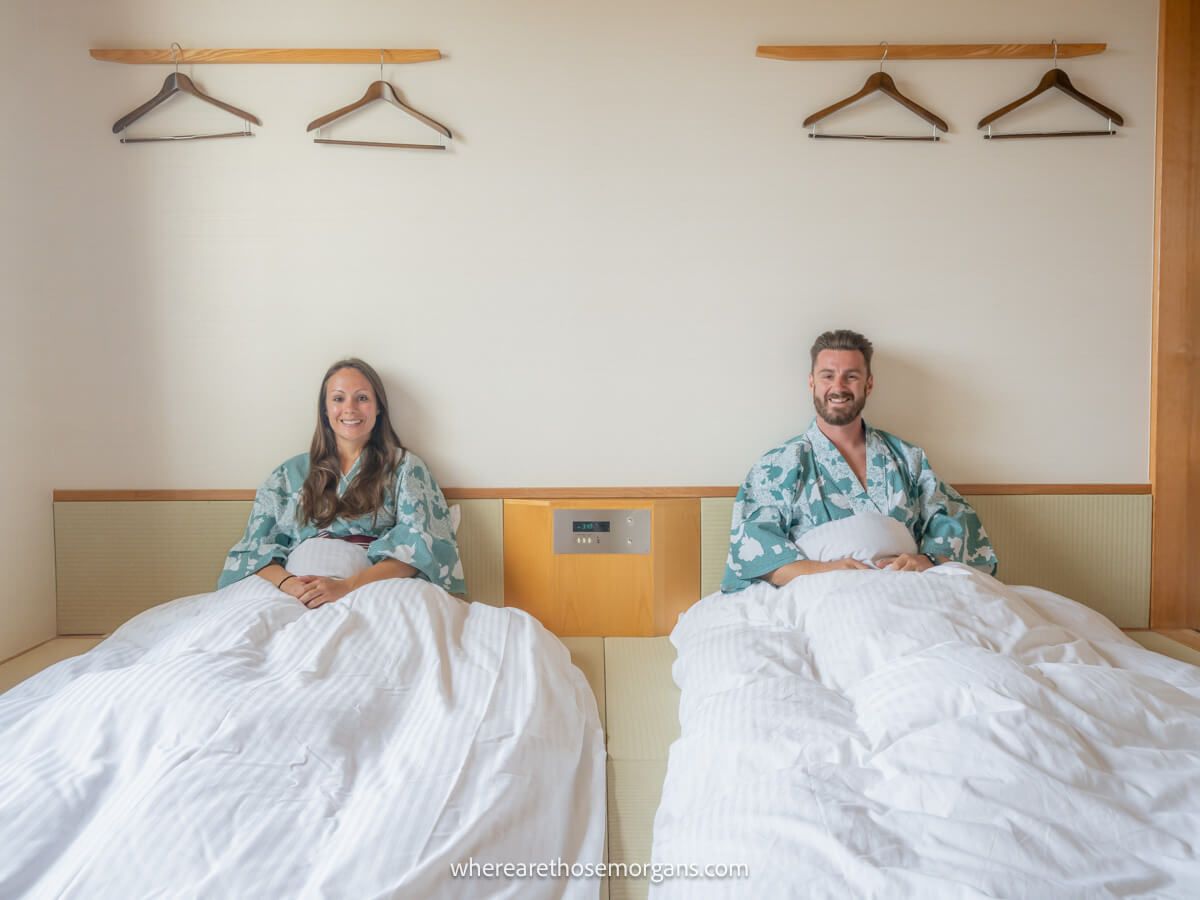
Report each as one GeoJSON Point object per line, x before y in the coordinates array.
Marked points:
{"type": "Point", "coordinates": [357, 484]}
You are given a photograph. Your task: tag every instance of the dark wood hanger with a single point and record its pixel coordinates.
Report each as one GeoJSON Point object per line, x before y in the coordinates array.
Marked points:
{"type": "Point", "coordinates": [1055, 78]}
{"type": "Point", "coordinates": [177, 83]}
{"type": "Point", "coordinates": [380, 90]}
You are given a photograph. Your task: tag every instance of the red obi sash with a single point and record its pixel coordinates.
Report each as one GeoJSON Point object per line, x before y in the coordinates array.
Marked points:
{"type": "Point", "coordinates": [363, 540]}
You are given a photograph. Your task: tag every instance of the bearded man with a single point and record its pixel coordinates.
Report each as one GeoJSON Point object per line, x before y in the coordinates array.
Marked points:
{"type": "Point", "coordinates": [839, 468]}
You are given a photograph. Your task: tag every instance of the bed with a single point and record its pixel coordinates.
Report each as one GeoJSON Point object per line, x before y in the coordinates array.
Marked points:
{"type": "Point", "coordinates": [883, 734]}
{"type": "Point", "coordinates": [236, 744]}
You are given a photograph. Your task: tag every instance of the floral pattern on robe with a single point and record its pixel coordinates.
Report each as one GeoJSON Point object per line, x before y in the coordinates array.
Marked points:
{"type": "Point", "coordinates": [806, 482]}
{"type": "Point", "coordinates": [413, 526]}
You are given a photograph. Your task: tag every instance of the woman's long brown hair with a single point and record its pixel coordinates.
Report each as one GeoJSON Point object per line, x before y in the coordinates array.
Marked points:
{"type": "Point", "coordinates": [319, 502]}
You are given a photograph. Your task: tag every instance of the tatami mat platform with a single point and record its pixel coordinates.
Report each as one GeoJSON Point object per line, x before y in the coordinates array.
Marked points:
{"type": "Point", "coordinates": [588, 655]}
{"type": "Point", "coordinates": [1168, 646]}
{"type": "Point", "coordinates": [29, 663]}
{"type": "Point", "coordinates": [643, 722]}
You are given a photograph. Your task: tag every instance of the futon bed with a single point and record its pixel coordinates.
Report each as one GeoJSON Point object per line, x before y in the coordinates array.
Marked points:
{"type": "Point", "coordinates": [237, 744]}
{"type": "Point", "coordinates": [927, 735]}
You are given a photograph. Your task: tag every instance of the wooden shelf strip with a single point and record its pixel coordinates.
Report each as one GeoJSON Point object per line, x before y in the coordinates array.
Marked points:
{"type": "Point", "coordinates": [587, 493]}
{"type": "Point", "coordinates": [316, 55]}
{"type": "Point", "coordinates": [1040, 489]}
{"type": "Point", "coordinates": [926, 51]}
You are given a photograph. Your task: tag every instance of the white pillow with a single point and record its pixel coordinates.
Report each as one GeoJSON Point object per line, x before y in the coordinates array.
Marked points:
{"type": "Point", "coordinates": [332, 558]}
{"type": "Point", "coordinates": [327, 557]}
{"type": "Point", "coordinates": [864, 536]}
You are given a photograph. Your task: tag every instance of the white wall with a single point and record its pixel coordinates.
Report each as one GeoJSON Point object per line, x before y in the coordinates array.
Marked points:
{"type": "Point", "coordinates": [611, 279]}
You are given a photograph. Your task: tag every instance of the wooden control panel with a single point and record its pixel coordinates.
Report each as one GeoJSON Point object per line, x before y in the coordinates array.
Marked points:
{"type": "Point", "coordinates": [635, 594]}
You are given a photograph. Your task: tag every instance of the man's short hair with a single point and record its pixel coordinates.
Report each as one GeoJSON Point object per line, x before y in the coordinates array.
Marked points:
{"type": "Point", "coordinates": [843, 339]}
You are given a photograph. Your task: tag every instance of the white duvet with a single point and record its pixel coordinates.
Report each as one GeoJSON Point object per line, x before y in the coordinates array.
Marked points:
{"type": "Point", "coordinates": [235, 744]}
{"type": "Point", "coordinates": [886, 734]}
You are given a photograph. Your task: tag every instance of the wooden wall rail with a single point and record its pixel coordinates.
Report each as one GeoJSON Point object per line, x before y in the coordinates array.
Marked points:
{"type": "Point", "coordinates": [828, 52]}
{"type": "Point", "coordinates": [281, 55]}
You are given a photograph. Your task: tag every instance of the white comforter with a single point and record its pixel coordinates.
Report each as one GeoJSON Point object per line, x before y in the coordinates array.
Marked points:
{"type": "Point", "coordinates": [235, 744]}
{"type": "Point", "coordinates": [882, 734]}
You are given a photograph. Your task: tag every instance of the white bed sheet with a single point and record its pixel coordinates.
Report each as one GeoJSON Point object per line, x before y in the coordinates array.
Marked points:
{"type": "Point", "coordinates": [234, 744]}
{"type": "Point", "coordinates": [884, 734]}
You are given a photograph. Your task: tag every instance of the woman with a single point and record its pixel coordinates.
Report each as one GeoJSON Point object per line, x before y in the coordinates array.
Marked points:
{"type": "Point", "coordinates": [356, 483]}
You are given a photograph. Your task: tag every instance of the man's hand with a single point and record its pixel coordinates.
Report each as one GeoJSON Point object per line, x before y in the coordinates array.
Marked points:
{"type": "Point", "coordinates": [905, 562]}
{"type": "Point", "coordinates": [314, 591]}
{"type": "Point", "coordinates": [848, 563]}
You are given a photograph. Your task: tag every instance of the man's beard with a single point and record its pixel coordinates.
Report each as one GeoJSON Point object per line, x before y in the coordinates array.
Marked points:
{"type": "Point", "coordinates": [843, 415]}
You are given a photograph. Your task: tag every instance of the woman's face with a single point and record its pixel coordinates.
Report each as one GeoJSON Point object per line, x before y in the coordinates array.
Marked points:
{"type": "Point", "coordinates": [350, 406]}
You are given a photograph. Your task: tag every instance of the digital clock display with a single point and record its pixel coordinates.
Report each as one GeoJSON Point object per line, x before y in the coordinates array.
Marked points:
{"type": "Point", "coordinates": [590, 527]}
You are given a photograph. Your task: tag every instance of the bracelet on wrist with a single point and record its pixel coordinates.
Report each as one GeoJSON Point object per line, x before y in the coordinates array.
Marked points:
{"type": "Point", "coordinates": [282, 580]}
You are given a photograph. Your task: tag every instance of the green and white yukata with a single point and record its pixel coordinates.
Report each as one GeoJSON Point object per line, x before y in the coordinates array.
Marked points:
{"type": "Point", "coordinates": [806, 483]}
{"type": "Point", "coordinates": [413, 526]}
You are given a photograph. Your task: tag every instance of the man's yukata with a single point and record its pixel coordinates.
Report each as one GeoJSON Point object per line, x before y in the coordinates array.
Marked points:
{"type": "Point", "coordinates": [806, 483]}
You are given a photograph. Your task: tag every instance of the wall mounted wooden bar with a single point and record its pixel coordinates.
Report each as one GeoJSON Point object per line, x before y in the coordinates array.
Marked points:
{"type": "Point", "coordinates": [993, 490]}
{"type": "Point", "coordinates": [151, 495]}
{"type": "Point", "coordinates": [826, 52]}
{"type": "Point", "coordinates": [364, 55]}
{"type": "Point", "coordinates": [585, 493]}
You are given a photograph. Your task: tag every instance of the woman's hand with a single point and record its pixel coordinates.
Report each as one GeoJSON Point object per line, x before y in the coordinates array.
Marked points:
{"type": "Point", "coordinates": [314, 590]}
{"type": "Point", "coordinates": [786, 573]}
{"type": "Point", "coordinates": [294, 585]}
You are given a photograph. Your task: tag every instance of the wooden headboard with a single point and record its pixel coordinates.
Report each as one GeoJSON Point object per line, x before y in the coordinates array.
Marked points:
{"type": "Point", "coordinates": [120, 552]}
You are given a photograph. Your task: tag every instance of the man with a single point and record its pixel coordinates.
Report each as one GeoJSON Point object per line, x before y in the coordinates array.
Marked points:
{"type": "Point", "coordinates": [839, 467]}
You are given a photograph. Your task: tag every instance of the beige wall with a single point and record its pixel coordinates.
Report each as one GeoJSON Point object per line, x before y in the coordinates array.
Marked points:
{"type": "Point", "coordinates": [35, 392]}
{"type": "Point", "coordinates": [612, 277]}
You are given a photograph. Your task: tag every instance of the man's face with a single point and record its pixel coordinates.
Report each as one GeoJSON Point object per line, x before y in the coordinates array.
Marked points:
{"type": "Point", "coordinates": [840, 385]}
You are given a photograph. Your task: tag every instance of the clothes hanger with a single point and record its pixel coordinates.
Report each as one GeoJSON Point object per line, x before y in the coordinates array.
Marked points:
{"type": "Point", "coordinates": [181, 84]}
{"type": "Point", "coordinates": [880, 82]}
{"type": "Point", "coordinates": [378, 90]}
{"type": "Point", "coordinates": [1055, 78]}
